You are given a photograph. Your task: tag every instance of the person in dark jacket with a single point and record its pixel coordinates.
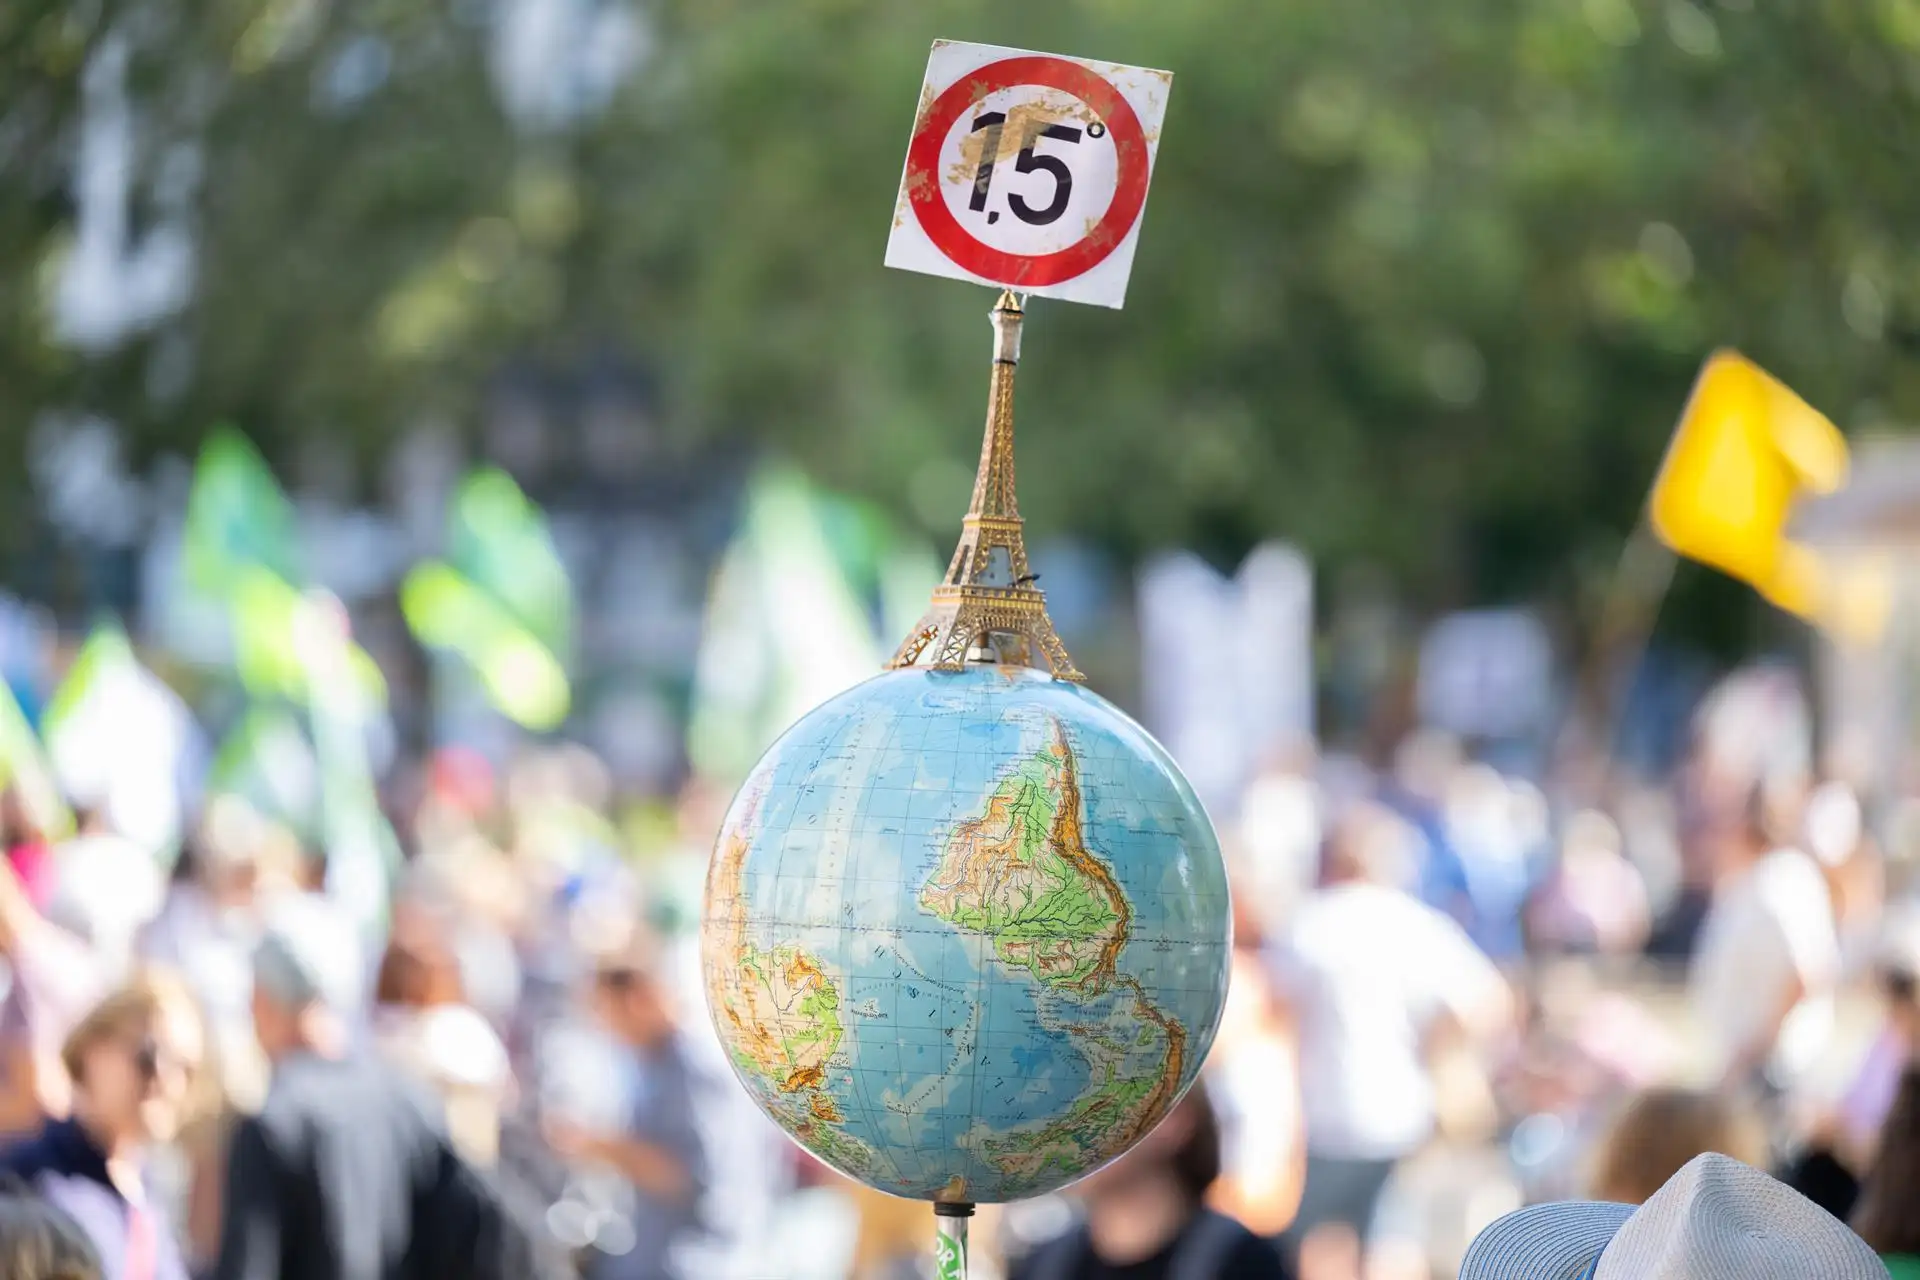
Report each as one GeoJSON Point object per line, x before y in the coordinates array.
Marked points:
{"type": "Point", "coordinates": [322, 1183]}
{"type": "Point", "coordinates": [132, 1061]}
{"type": "Point", "coordinates": [348, 1172]}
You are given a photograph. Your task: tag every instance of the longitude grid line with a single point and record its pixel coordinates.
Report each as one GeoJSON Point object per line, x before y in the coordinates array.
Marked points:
{"type": "Point", "coordinates": [920, 1154]}
{"type": "Point", "coordinates": [859, 1089]}
{"type": "Point", "coordinates": [893, 1012]}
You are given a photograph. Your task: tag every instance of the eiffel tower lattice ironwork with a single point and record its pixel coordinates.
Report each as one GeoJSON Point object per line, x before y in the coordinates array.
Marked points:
{"type": "Point", "coordinates": [987, 609]}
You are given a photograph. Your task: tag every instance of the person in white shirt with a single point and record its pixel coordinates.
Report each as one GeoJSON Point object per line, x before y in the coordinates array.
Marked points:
{"type": "Point", "coordinates": [1369, 974]}
{"type": "Point", "coordinates": [1768, 959]}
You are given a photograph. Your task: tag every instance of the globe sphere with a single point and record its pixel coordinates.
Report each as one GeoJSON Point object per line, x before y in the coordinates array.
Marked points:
{"type": "Point", "coordinates": [966, 933]}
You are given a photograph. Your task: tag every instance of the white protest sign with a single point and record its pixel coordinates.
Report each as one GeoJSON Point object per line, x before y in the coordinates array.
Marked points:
{"type": "Point", "coordinates": [1486, 673]}
{"type": "Point", "coordinates": [1028, 171]}
{"type": "Point", "coordinates": [1226, 664]}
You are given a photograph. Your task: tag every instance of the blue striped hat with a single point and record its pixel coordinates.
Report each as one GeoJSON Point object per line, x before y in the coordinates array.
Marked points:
{"type": "Point", "coordinates": [1716, 1219]}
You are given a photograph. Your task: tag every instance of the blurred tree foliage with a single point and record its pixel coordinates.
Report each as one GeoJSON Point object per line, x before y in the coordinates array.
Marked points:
{"type": "Point", "coordinates": [1422, 284]}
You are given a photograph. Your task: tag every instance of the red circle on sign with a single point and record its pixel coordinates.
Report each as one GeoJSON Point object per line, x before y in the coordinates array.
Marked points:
{"type": "Point", "coordinates": [1024, 269]}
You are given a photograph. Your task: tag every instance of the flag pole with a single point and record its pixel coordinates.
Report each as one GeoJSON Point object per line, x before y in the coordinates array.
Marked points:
{"type": "Point", "coordinates": [1636, 590]}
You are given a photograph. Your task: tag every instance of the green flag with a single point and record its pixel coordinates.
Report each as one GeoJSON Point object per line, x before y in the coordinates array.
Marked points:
{"type": "Point", "coordinates": [499, 542]}
{"type": "Point", "coordinates": [241, 548]}
{"type": "Point", "coordinates": [266, 760]}
{"type": "Point", "coordinates": [500, 601]}
{"type": "Point", "coordinates": [522, 677]}
{"type": "Point", "coordinates": [363, 854]}
{"type": "Point", "coordinates": [792, 613]}
{"type": "Point", "coordinates": [237, 518]}
{"type": "Point", "coordinates": [266, 612]}
{"type": "Point", "coordinates": [24, 765]}
{"type": "Point", "coordinates": [106, 652]}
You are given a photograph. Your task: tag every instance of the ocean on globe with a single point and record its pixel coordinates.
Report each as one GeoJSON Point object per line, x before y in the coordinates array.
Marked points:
{"type": "Point", "coordinates": [966, 933]}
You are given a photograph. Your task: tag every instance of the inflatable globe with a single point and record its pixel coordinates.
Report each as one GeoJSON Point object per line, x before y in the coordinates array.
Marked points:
{"type": "Point", "coordinates": [966, 933]}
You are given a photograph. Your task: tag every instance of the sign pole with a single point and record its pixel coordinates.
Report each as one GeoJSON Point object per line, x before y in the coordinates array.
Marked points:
{"type": "Point", "coordinates": [950, 1222]}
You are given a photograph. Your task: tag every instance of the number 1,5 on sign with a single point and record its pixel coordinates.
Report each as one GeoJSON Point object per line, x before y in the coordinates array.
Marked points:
{"type": "Point", "coordinates": [1064, 145]}
{"type": "Point", "coordinates": [992, 124]}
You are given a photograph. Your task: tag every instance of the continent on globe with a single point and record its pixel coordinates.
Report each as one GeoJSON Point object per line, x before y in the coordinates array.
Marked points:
{"type": "Point", "coordinates": [779, 1012]}
{"type": "Point", "coordinates": [1021, 875]}
{"type": "Point", "coordinates": [1110, 1117]}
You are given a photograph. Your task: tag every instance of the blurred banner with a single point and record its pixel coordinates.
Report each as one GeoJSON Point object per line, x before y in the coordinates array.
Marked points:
{"type": "Point", "coordinates": [500, 601]}
{"type": "Point", "coordinates": [1226, 664]}
{"type": "Point", "coordinates": [120, 740]}
{"type": "Point", "coordinates": [1487, 673]}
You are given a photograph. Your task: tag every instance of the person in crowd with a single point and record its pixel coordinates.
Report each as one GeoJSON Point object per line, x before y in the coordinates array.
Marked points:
{"type": "Point", "coordinates": [1834, 1156]}
{"type": "Point", "coordinates": [25, 844]}
{"type": "Point", "coordinates": [39, 1242]}
{"type": "Point", "coordinates": [666, 1150]}
{"type": "Point", "coordinates": [1495, 828]}
{"type": "Point", "coordinates": [1424, 764]}
{"type": "Point", "coordinates": [1864, 1108]}
{"type": "Point", "coordinates": [1888, 1214]}
{"type": "Point", "coordinates": [1659, 1131]}
{"type": "Point", "coordinates": [324, 1183]}
{"type": "Point", "coordinates": [1768, 960]}
{"type": "Point", "coordinates": [132, 1061]}
{"type": "Point", "coordinates": [1147, 1217]}
{"type": "Point", "coordinates": [422, 1023]}
{"type": "Point", "coordinates": [1594, 901]}
{"type": "Point", "coordinates": [208, 925]}
{"type": "Point", "coordinates": [105, 890]}
{"type": "Point", "coordinates": [1252, 1075]}
{"type": "Point", "coordinates": [1716, 1217]}
{"type": "Point", "coordinates": [1280, 830]}
{"type": "Point", "coordinates": [55, 979]}
{"type": "Point", "coordinates": [1371, 978]}
{"type": "Point", "coordinates": [1835, 833]}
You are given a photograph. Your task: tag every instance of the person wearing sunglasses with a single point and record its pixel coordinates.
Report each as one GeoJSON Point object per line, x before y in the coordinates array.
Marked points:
{"type": "Point", "coordinates": [133, 1060]}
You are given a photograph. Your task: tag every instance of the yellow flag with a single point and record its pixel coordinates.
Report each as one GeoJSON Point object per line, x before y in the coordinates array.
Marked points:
{"type": "Point", "coordinates": [1745, 451]}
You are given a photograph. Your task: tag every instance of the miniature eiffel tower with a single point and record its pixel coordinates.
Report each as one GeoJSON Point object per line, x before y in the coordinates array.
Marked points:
{"type": "Point", "coordinates": [987, 608]}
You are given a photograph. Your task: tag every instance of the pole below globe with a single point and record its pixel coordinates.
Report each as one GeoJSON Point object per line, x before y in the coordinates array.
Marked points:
{"type": "Point", "coordinates": [950, 1239]}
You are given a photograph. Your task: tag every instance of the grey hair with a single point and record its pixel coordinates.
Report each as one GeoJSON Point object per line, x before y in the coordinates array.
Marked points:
{"type": "Point", "coordinates": [307, 956]}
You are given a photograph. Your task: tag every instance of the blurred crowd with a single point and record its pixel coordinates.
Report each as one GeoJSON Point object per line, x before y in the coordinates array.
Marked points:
{"type": "Point", "coordinates": [1455, 990]}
